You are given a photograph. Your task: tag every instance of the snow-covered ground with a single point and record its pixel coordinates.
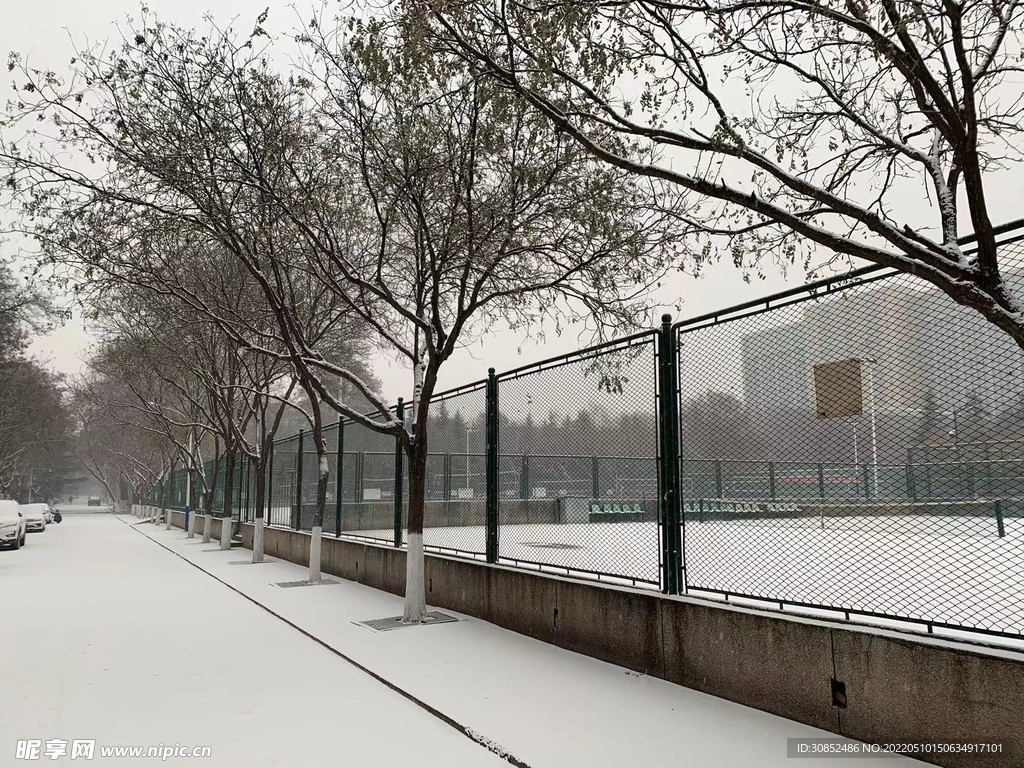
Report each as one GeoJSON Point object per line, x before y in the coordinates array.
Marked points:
{"type": "Point", "coordinates": [105, 636]}
{"type": "Point", "coordinates": [941, 569]}
{"type": "Point", "coordinates": [548, 707]}
{"type": "Point", "coordinates": [114, 636]}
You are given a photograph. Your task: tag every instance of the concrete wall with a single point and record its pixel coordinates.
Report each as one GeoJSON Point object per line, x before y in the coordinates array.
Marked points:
{"type": "Point", "coordinates": [178, 521]}
{"type": "Point", "coordinates": [898, 686]}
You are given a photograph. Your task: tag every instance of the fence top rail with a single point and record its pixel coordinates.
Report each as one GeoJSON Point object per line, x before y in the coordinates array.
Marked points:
{"type": "Point", "coordinates": [464, 389]}
{"type": "Point", "coordinates": [580, 355]}
{"type": "Point", "coordinates": [808, 464]}
{"type": "Point", "coordinates": [807, 291]}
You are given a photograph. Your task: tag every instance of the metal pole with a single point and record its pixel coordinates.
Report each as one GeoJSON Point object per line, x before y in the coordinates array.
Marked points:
{"type": "Point", "coordinates": [399, 471]}
{"type": "Point", "coordinates": [673, 543]}
{"type": "Point", "coordinates": [268, 517]}
{"type": "Point", "coordinates": [874, 438]}
{"type": "Point", "coordinates": [188, 478]}
{"type": "Point", "coordinates": [468, 430]}
{"type": "Point", "coordinates": [248, 483]}
{"type": "Point", "coordinates": [492, 459]}
{"type": "Point", "coordinates": [297, 515]}
{"type": "Point", "coordinates": [339, 470]}
{"type": "Point", "coordinates": [241, 474]}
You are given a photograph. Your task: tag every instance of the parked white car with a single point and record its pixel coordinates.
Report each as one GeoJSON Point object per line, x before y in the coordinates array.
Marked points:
{"type": "Point", "coordinates": [12, 525]}
{"type": "Point", "coordinates": [35, 516]}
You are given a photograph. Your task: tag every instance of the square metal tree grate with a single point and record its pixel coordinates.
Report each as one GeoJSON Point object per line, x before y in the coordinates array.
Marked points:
{"type": "Point", "coordinates": [289, 584]}
{"type": "Point", "coordinates": [248, 562]}
{"type": "Point", "coordinates": [395, 622]}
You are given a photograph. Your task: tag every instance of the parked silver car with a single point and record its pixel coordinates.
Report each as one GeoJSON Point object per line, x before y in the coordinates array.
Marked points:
{"type": "Point", "coordinates": [35, 516]}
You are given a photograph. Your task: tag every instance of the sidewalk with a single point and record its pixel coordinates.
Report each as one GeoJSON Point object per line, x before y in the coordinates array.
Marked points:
{"type": "Point", "coordinates": [547, 707]}
{"type": "Point", "coordinates": [116, 653]}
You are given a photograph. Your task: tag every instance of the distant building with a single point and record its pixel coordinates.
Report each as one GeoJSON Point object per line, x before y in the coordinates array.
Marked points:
{"type": "Point", "coordinates": [920, 338]}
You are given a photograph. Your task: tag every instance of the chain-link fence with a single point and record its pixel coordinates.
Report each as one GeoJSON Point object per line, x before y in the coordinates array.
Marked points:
{"type": "Point", "coordinates": [853, 446]}
{"type": "Point", "coordinates": [454, 516]}
{"type": "Point", "coordinates": [858, 448]}
{"type": "Point", "coordinates": [578, 479]}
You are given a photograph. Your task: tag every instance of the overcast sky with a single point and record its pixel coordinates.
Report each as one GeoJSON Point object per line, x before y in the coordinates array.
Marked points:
{"type": "Point", "coordinates": [43, 31]}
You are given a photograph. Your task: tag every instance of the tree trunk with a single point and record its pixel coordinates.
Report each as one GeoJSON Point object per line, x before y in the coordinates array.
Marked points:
{"type": "Point", "coordinates": [163, 504]}
{"type": "Point", "coordinates": [190, 508]}
{"type": "Point", "coordinates": [415, 588]}
{"type": "Point", "coordinates": [323, 475]}
{"type": "Point", "coordinates": [259, 520]}
{"type": "Point", "coordinates": [226, 525]}
{"type": "Point", "coordinates": [207, 515]}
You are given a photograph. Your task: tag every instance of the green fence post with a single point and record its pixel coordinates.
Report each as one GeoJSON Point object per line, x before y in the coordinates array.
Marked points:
{"type": "Point", "coordinates": [297, 514]}
{"type": "Point", "coordinates": [999, 519]}
{"type": "Point", "coordinates": [771, 480]}
{"type": "Point", "coordinates": [491, 469]}
{"type": "Point", "coordinates": [338, 473]}
{"type": "Point", "coordinates": [718, 479]}
{"type": "Point", "coordinates": [399, 474]}
{"type": "Point", "coordinates": [821, 481]}
{"type": "Point", "coordinates": [248, 490]}
{"type": "Point", "coordinates": [268, 512]}
{"type": "Point", "coordinates": [447, 481]}
{"type": "Point", "coordinates": [240, 473]}
{"type": "Point", "coordinates": [867, 482]}
{"type": "Point", "coordinates": [672, 557]}
{"type": "Point", "coordinates": [524, 478]}
{"type": "Point", "coordinates": [595, 488]}
{"type": "Point", "coordinates": [357, 481]}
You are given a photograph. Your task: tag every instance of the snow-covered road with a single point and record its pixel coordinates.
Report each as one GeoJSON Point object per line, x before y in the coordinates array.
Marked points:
{"type": "Point", "coordinates": [111, 634]}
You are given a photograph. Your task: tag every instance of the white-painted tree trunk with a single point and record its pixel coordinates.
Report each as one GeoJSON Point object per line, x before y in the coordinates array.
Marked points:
{"type": "Point", "coordinates": [315, 544]}
{"type": "Point", "coordinates": [190, 525]}
{"type": "Point", "coordinates": [415, 593]}
{"type": "Point", "coordinates": [167, 520]}
{"type": "Point", "coordinates": [226, 526]}
{"type": "Point", "coordinates": [207, 528]}
{"type": "Point", "coordinates": [257, 541]}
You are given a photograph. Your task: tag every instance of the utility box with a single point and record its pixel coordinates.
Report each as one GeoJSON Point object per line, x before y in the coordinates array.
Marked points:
{"type": "Point", "coordinates": [573, 510]}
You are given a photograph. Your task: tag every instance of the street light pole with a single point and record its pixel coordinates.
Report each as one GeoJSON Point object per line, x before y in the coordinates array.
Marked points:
{"type": "Point", "coordinates": [469, 431]}
{"type": "Point", "coordinates": [874, 438]}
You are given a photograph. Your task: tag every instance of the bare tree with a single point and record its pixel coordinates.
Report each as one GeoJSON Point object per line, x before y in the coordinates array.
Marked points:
{"type": "Point", "coordinates": [427, 203]}
{"type": "Point", "coordinates": [466, 216]}
{"type": "Point", "coordinates": [35, 428]}
{"type": "Point", "coordinates": [786, 123]}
